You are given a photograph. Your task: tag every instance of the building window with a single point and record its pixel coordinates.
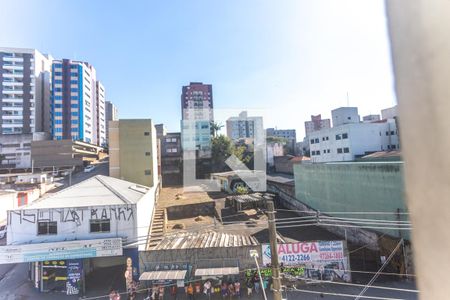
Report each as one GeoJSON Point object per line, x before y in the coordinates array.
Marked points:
{"type": "Point", "coordinates": [338, 137]}
{"type": "Point", "coordinates": [344, 136]}
{"type": "Point", "coordinates": [146, 133]}
{"type": "Point", "coordinates": [148, 172]}
{"type": "Point", "coordinates": [387, 133]}
{"type": "Point", "coordinates": [316, 140]}
{"type": "Point", "coordinates": [45, 228]}
{"type": "Point", "coordinates": [339, 150]}
{"type": "Point", "coordinates": [393, 146]}
{"type": "Point", "coordinates": [312, 141]}
{"type": "Point", "coordinates": [147, 153]}
{"type": "Point", "coordinates": [346, 150]}
{"type": "Point", "coordinates": [100, 225]}
{"type": "Point", "coordinates": [318, 152]}
{"type": "Point", "coordinates": [392, 132]}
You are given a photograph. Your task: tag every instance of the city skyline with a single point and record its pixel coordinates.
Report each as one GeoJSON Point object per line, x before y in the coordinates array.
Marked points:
{"type": "Point", "coordinates": [297, 58]}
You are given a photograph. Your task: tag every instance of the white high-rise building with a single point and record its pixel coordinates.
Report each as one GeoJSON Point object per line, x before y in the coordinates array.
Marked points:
{"type": "Point", "coordinates": [24, 91]}
{"type": "Point", "coordinates": [243, 127]}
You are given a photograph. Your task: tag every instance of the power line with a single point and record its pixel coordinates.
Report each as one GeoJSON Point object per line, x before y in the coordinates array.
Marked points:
{"type": "Point", "coordinates": [372, 287]}
{"type": "Point", "coordinates": [342, 295]}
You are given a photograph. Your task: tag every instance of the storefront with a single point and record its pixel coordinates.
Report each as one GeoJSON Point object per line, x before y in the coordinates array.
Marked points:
{"type": "Point", "coordinates": [60, 266]}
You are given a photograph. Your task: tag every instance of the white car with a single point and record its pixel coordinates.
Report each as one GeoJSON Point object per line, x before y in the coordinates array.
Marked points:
{"type": "Point", "coordinates": [89, 168]}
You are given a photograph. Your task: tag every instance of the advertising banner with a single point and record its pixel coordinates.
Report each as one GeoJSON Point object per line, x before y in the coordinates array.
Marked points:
{"type": "Point", "coordinates": [74, 276]}
{"type": "Point", "coordinates": [60, 250]}
{"type": "Point", "coordinates": [322, 260]}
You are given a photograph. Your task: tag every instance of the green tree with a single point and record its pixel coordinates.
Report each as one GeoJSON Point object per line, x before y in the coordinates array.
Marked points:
{"type": "Point", "coordinates": [223, 147]}
{"type": "Point", "coordinates": [215, 128]}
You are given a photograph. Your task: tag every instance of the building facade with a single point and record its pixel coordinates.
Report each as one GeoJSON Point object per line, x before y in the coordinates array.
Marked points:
{"type": "Point", "coordinates": [133, 151]}
{"type": "Point", "coordinates": [316, 123]}
{"type": "Point", "coordinates": [16, 149]}
{"type": "Point", "coordinates": [289, 135]}
{"type": "Point", "coordinates": [112, 114]}
{"type": "Point", "coordinates": [371, 118]}
{"type": "Point", "coordinates": [197, 115]}
{"type": "Point", "coordinates": [349, 141]}
{"type": "Point", "coordinates": [171, 159]}
{"type": "Point", "coordinates": [344, 115]}
{"type": "Point", "coordinates": [244, 127]}
{"type": "Point", "coordinates": [24, 91]}
{"type": "Point", "coordinates": [77, 108]}
{"type": "Point", "coordinates": [85, 225]}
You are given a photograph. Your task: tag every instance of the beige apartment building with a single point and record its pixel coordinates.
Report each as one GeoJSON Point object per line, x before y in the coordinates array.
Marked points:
{"type": "Point", "coordinates": [132, 150]}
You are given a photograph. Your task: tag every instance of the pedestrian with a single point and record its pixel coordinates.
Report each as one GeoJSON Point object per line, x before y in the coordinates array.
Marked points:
{"type": "Point", "coordinates": [161, 292]}
{"type": "Point", "coordinates": [249, 284]}
{"type": "Point", "coordinates": [174, 291]}
{"type": "Point", "coordinates": [207, 288]}
{"type": "Point", "coordinates": [224, 290]}
{"type": "Point", "coordinates": [237, 288]}
{"type": "Point", "coordinates": [257, 283]}
{"type": "Point", "coordinates": [190, 291]}
{"type": "Point", "coordinates": [230, 290]}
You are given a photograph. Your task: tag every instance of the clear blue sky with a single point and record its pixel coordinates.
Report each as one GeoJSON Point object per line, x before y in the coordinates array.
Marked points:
{"type": "Point", "coordinates": [290, 58]}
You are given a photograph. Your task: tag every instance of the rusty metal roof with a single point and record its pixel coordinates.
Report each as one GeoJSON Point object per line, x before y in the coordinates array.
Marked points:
{"type": "Point", "coordinates": [206, 239]}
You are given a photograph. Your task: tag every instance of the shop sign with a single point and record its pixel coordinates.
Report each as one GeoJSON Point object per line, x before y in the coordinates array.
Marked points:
{"type": "Point", "coordinates": [323, 260]}
{"type": "Point", "coordinates": [60, 250]}
{"type": "Point", "coordinates": [74, 273]}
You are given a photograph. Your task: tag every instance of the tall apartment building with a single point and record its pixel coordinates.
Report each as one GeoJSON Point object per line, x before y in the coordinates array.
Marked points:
{"type": "Point", "coordinates": [243, 126]}
{"type": "Point", "coordinates": [24, 91]}
{"type": "Point", "coordinates": [316, 123]}
{"type": "Point", "coordinates": [77, 108]}
{"type": "Point", "coordinates": [112, 114]}
{"type": "Point", "coordinates": [197, 115]}
{"type": "Point", "coordinates": [133, 151]}
{"type": "Point", "coordinates": [171, 159]}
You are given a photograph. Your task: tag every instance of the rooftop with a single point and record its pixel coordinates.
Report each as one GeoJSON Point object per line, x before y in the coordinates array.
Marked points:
{"type": "Point", "coordinates": [206, 239]}
{"type": "Point", "coordinates": [95, 191]}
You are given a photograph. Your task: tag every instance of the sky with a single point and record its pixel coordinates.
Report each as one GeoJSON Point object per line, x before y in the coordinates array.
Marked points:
{"type": "Point", "coordinates": [287, 59]}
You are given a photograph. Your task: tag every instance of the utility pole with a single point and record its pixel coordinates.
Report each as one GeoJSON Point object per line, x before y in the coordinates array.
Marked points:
{"type": "Point", "coordinates": [274, 252]}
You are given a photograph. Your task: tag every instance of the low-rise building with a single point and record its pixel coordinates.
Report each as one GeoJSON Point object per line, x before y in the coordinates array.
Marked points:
{"type": "Point", "coordinates": [285, 163]}
{"type": "Point", "coordinates": [344, 115]}
{"type": "Point", "coordinates": [371, 118]}
{"type": "Point", "coordinates": [56, 154]}
{"type": "Point", "coordinates": [289, 135]}
{"type": "Point", "coordinates": [350, 141]}
{"type": "Point", "coordinates": [15, 149]}
{"type": "Point", "coordinates": [273, 150]}
{"type": "Point", "coordinates": [95, 218]}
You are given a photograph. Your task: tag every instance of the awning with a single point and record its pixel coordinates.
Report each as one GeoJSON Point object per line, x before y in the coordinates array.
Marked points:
{"type": "Point", "coordinates": [164, 275]}
{"type": "Point", "coordinates": [217, 271]}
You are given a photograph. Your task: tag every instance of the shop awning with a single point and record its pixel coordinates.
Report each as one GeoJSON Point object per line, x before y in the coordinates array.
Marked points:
{"type": "Point", "coordinates": [164, 275]}
{"type": "Point", "coordinates": [217, 271]}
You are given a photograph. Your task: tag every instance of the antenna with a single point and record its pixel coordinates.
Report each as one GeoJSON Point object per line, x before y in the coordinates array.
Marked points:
{"type": "Point", "coordinates": [348, 100]}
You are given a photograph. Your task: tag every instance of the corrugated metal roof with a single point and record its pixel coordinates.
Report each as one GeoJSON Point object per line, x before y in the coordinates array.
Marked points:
{"type": "Point", "coordinates": [164, 275]}
{"type": "Point", "coordinates": [207, 239]}
{"type": "Point", "coordinates": [217, 271]}
{"type": "Point", "coordinates": [97, 190]}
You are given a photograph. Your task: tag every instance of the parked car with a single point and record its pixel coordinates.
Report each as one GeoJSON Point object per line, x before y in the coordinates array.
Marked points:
{"type": "Point", "coordinates": [89, 168]}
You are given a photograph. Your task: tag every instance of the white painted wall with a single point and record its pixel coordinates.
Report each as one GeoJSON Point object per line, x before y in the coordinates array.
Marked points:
{"type": "Point", "coordinates": [72, 223]}
{"type": "Point", "coordinates": [362, 138]}
{"type": "Point", "coordinates": [344, 115]}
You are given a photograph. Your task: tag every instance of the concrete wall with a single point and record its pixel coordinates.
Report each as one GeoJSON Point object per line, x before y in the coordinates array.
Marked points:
{"type": "Point", "coordinates": [353, 187]}
{"type": "Point", "coordinates": [145, 208]}
{"type": "Point", "coordinates": [72, 223]}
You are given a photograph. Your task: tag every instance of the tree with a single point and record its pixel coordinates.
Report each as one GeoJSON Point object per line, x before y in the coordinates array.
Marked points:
{"type": "Point", "coordinates": [215, 128]}
{"type": "Point", "coordinates": [223, 147]}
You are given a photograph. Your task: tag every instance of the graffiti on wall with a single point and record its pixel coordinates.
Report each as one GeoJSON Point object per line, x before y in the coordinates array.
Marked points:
{"type": "Point", "coordinates": [74, 215]}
